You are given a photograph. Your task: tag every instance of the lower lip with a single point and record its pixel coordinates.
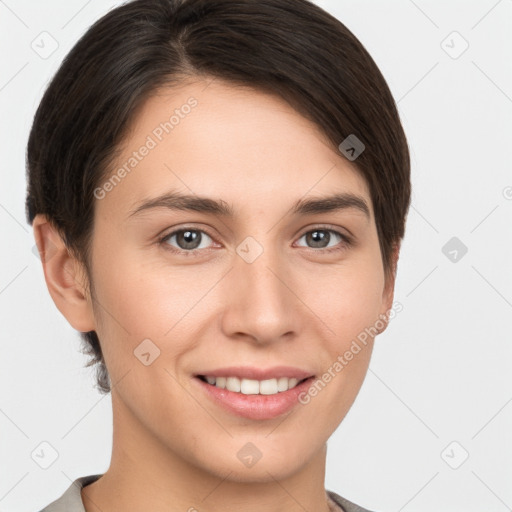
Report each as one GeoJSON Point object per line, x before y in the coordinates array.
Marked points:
{"type": "Point", "coordinates": [255, 407]}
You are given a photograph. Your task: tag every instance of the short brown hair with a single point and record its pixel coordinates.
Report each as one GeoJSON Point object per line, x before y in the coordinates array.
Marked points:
{"type": "Point", "coordinates": [291, 48]}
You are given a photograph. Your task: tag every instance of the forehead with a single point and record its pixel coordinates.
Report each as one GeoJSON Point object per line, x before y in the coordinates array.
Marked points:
{"type": "Point", "coordinates": [226, 141]}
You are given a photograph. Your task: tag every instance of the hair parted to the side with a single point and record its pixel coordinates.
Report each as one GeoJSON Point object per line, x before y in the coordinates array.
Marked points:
{"type": "Point", "coordinates": [291, 48]}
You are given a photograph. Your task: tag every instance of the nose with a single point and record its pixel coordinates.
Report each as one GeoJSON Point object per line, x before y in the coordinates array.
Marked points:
{"type": "Point", "coordinates": [260, 301]}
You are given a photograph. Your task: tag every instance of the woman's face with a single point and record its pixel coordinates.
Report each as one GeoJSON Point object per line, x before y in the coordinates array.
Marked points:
{"type": "Point", "coordinates": [272, 290]}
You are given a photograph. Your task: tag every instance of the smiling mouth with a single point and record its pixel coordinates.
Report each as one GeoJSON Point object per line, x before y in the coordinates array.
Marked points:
{"type": "Point", "coordinates": [252, 386]}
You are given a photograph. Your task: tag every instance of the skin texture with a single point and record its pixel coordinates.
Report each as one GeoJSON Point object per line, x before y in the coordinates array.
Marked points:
{"type": "Point", "coordinates": [295, 304]}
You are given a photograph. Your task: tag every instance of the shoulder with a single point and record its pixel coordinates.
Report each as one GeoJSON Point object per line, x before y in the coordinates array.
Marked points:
{"type": "Point", "coordinates": [71, 500]}
{"type": "Point", "coordinates": [345, 504]}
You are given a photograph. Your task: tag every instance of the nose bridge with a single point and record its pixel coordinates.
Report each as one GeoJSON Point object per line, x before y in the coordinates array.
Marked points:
{"type": "Point", "coordinates": [260, 303]}
{"type": "Point", "coordinates": [257, 265]}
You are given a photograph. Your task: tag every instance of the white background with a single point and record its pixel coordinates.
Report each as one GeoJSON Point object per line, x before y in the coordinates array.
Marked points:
{"type": "Point", "coordinates": [440, 374]}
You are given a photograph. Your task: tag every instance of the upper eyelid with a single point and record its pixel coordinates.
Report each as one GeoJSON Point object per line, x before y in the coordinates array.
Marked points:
{"type": "Point", "coordinates": [186, 228]}
{"type": "Point", "coordinates": [326, 227]}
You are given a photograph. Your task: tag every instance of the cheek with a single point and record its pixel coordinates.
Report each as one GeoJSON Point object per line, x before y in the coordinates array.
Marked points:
{"type": "Point", "coordinates": [143, 299]}
{"type": "Point", "coordinates": [140, 300]}
{"type": "Point", "coordinates": [349, 306]}
{"type": "Point", "coordinates": [347, 298]}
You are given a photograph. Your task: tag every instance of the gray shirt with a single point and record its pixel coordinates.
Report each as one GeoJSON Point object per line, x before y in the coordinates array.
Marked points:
{"type": "Point", "coordinates": [71, 500]}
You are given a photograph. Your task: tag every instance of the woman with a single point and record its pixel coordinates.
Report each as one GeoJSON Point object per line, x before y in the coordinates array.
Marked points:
{"type": "Point", "coordinates": [218, 191]}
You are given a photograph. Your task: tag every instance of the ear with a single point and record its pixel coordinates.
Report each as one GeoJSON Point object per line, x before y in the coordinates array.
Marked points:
{"type": "Point", "coordinates": [65, 276]}
{"type": "Point", "coordinates": [389, 287]}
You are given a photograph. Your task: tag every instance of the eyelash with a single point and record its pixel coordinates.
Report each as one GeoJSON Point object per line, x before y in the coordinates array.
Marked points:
{"type": "Point", "coordinates": [344, 244]}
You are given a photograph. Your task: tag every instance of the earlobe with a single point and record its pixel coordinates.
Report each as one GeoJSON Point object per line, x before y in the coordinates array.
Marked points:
{"type": "Point", "coordinates": [64, 276]}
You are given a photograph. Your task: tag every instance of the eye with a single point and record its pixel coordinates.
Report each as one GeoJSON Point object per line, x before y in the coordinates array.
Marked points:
{"type": "Point", "coordinates": [186, 239]}
{"type": "Point", "coordinates": [320, 238]}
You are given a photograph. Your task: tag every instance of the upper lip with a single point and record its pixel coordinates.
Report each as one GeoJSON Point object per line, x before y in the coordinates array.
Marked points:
{"type": "Point", "coordinates": [251, 372]}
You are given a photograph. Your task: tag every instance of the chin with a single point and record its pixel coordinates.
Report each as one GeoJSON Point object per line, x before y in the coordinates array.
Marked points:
{"type": "Point", "coordinates": [258, 462]}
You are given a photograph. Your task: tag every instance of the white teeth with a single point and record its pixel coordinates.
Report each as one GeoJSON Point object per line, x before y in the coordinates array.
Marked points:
{"type": "Point", "coordinates": [268, 387]}
{"type": "Point", "coordinates": [233, 384]}
{"type": "Point", "coordinates": [253, 387]}
{"type": "Point", "coordinates": [249, 387]}
{"type": "Point", "coordinates": [282, 384]}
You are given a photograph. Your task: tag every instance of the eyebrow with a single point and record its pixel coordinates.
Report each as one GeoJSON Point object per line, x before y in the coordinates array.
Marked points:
{"type": "Point", "coordinates": [185, 202]}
